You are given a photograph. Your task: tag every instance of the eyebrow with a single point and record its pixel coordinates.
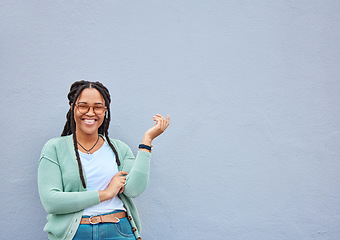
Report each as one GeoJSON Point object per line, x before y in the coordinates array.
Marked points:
{"type": "Point", "coordinates": [94, 104]}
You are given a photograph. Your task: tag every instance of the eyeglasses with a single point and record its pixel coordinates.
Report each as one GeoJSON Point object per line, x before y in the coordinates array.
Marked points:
{"type": "Point", "coordinates": [84, 108]}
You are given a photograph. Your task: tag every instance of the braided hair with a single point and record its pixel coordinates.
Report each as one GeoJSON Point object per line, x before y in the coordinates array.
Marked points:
{"type": "Point", "coordinates": [70, 125]}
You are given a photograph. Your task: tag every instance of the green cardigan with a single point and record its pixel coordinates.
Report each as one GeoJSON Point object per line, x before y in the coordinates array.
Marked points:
{"type": "Point", "coordinates": [63, 196]}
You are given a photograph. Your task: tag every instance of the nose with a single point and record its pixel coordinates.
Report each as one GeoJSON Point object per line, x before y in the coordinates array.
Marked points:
{"type": "Point", "coordinates": [91, 111]}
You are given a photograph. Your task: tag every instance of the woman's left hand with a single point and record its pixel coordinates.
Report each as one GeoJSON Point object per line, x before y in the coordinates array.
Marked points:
{"type": "Point", "coordinates": [157, 129]}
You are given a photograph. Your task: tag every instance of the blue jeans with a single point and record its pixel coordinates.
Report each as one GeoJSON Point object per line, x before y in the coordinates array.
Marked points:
{"type": "Point", "coordinates": [106, 231]}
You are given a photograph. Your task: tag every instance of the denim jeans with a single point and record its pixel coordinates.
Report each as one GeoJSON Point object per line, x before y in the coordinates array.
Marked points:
{"type": "Point", "coordinates": [105, 231]}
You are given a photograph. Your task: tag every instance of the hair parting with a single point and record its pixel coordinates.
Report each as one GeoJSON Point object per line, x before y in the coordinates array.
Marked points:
{"type": "Point", "coordinates": [70, 125]}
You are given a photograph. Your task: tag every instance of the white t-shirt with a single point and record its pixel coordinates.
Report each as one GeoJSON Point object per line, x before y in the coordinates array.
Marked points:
{"type": "Point", "coordinates": [100, 167]}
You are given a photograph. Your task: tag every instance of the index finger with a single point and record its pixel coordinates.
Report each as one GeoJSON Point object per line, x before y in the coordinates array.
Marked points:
{"type": "Point", "coordinates": [122, 173]}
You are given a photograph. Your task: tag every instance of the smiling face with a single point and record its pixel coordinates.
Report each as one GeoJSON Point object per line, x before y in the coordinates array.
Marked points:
{"type": "Point", "coordinates": [88, 123]}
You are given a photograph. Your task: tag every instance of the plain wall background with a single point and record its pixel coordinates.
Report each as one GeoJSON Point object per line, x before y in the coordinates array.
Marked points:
{"type": "Point", "coordinates": [252, 88]}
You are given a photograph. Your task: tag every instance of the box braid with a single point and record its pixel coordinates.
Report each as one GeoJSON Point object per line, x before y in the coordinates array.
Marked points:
{"type": "Point", "coordinates": [70, 125]}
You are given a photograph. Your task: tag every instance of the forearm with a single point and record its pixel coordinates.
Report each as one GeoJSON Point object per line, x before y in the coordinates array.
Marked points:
{"type": "Point", "coordinates": [53, 197]}
{"type": "Point", "coordinates": [138, 177]}
{"type": "Point", "coordinates": [68, 202]}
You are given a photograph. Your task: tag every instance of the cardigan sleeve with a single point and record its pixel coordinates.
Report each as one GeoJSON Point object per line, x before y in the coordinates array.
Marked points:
{"type": "Point", "coordinates": [138, 169]}
{"type": "Point", "coordinates": [53, 198]}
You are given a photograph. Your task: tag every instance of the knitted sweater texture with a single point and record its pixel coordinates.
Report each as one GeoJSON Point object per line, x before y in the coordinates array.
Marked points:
{"type": "Point", "coordinates": [63, 196]}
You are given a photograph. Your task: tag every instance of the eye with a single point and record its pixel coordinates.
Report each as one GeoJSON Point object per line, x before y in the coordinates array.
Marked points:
{"type": "Point", "coordinates": [83, 106]}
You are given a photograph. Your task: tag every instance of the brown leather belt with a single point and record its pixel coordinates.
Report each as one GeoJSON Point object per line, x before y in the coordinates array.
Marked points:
{"type": "Point", "coordinates": [109, 218]}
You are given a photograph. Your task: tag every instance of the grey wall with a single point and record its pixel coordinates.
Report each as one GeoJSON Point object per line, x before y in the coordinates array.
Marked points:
{"type": "Point", "coordinates": [252, 88]}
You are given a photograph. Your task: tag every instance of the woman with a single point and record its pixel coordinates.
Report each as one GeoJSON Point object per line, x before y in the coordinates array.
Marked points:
{"type": "Point", "coordinates": [86, 180]}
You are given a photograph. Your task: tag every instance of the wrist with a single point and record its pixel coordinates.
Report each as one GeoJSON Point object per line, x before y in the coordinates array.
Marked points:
{"type": "Point", "coordinates": [144, 147]}
{"type": "Point", "coordinates": [103, 196]}
{"type": "Point", "coordinates": [146, 140]}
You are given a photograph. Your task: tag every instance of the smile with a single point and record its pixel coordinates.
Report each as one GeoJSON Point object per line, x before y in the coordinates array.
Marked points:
{"type": "Point", "coordinates": [89, 121]}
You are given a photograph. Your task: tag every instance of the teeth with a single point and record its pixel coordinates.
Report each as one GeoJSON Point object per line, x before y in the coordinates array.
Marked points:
{"type": "Point", "coordinates": [89, 121]}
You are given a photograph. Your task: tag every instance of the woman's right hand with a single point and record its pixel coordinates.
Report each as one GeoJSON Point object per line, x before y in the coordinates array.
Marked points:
{"type": "Point", "coordinates": [116, 185]}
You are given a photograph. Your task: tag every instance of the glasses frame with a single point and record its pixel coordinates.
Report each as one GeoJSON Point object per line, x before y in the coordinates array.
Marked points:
{"type": "Point", "coordinates": [89, 107]}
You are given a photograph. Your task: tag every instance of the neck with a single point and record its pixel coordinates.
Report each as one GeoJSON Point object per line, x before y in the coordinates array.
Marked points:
{"type": "Point", "coordinates": [86, 139]}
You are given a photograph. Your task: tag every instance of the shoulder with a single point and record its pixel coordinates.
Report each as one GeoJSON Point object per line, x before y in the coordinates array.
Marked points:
{"type": "Point", "coordinates": [118, 142]}
{"type": "Point", "coordinates": [53, 145]}
{"type": "Point", "coordinates": [121, 146]}
{"type": "Point", "coordinates": [55, 142]}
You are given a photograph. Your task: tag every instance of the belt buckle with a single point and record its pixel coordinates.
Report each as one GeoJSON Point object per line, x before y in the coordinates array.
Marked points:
{"type": "Point", "coordinates": [117, 219]}
{"type": "Point", "coordinates": [91, 221]}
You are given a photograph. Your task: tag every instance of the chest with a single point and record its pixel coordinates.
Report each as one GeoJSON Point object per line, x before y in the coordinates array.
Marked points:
{"type": "Point", "coordinates": [99, 168]}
